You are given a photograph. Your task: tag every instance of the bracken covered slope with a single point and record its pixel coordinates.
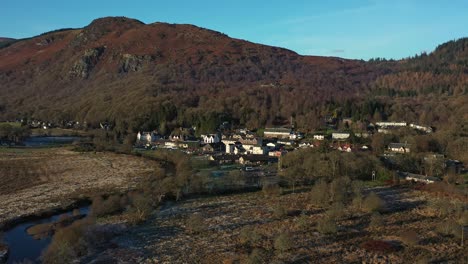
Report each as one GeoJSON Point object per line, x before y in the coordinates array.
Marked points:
{"type": "Point", "coordinates": [118, 69]}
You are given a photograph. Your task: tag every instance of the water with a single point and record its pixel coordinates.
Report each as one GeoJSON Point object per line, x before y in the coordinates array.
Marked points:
{"type": "Point", "coordinates": [23, 246]}
{"type": "Point", "coordinates": [49, 141]}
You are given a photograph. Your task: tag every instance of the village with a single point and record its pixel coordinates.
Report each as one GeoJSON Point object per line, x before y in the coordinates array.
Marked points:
{"type": "Point", "coordinates": [252, 150]}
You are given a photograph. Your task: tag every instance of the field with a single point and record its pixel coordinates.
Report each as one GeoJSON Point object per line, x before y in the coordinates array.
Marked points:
{"type": "Point", "coordinates": [33, 180]}
{"type": "Point", "coordinates": [407, 233]}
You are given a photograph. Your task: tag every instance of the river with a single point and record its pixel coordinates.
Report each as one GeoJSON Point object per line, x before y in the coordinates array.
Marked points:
{"type": "Point", "coordinates": [40, 141]}
{"type": "Point", "coordinates": [25, 247]}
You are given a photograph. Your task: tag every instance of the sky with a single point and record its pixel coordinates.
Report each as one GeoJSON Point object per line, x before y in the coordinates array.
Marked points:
{"type": "Point", "coordinates": [355, 29]}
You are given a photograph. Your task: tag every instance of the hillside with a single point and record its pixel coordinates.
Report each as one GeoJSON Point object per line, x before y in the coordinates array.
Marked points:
{"type": "Point", "coordinates": [135, 74]}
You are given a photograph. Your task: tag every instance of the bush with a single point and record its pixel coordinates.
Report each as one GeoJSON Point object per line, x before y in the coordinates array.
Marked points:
{"type": "Point", "coordinates": [319, 194]}
{"type": "Point", "coordinates": [339, 189]}
{"type": "Point", "coordinates": [283, 242]}
{"type": "Point", "coordinates": [139, 210]}
{"type": "Point", "coordinates": [449, 227]}
{"type": "Point", "coordinates": [195, 224]}
{"type": "Point", "coordinates": [271, 190]}
{"type": "Point", "coordinates": [279, 211]}
{"type": "Point", "coordinates": [327, 225]}
{"type": "Point", "coordinates": [102, 207]}
{"type": "Point", "coordinates": [373, 203]}
{"type": "Point", "coordinates": [68, 243]}
{"type": "Point", "coordinates": [376, 220]}
{"type": "Point", "coordinates": [336, 211]}
{"type": "Point", "coordinates": [257, 256]}
{"type": "Point", "coordinates": [303, 222]}
{"type": "Point", "coordinates": [248, 236]}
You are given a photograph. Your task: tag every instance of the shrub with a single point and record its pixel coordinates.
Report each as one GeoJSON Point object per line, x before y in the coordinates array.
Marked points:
{"type": "Point", "coordinates": [339, 189]}
{"type": "Point", "coordinates": [102, 207]}
{"type": "Point", "coordinates": [303, 222]}
{"type": "Point", "coordinates": [279, 211]}
{"type": "Point", "coordinates": [249, 236]}
{"type": "Point", "coordinates": [257, 256]}
{"type": "Point", "coordinates": [336, 211]}
{"type": "Point", "coordinates": [376, 220]}
{"type": "Point", "coordinates": [373, 203]}
{"type": "Point", "coordinates": [283, 242]}
{"type": "Point", "coordinates": [68, 243]}
{"type": "Point", "coordinates": [195, 223]}
{"type": "Point", "coordinates": [319, 194]}
{"type": "Point", "coordinates": [271, 190]}
{"type": "Point", "coordinates": [410, 238]}
{"type": "Point", "coordinates": [449, 227]}
{"type": "Point", "coordinates": [140, 208]}
{"type": "Point", "coordinates": [327, 225]}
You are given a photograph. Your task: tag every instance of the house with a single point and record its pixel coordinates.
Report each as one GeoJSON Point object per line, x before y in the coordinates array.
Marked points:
{"type": "Point", "coordinates": [348, 120]}
{"type": "Point", "coordinates": [210, 138]}
{"type": "Point", "coordinates": [391, 124]}
{"type": "Point", "coordinates": [256, 159]}
{"type": "Point", "coordinates": [212, 147]}
{"type": "Point", "coordinates": [362, 135]}
{"type": "Point", "coordinates": [277, 153]}
{"type": "Point", "coordinates": [426, 129]}
{"type": "Point", "coordinates": [306, 145]}
{"type": "Point", "coordinates": [399, 147]}
{"type": "Point", "coordinates": [177, 137]}
{"type": "Point", "coordinates": [148, 136]}
{"type": "Point", "coordinates": [319, 137]}
{"type": "Point", "coordinates": [345, 148]}
{"type": "Point", "coordinates": [420, 178]}
{"type": "Point", "coordinates": [296, 135]}
{"type": "Point", "coordinates": [257, 150]}
{"type": "Point", "coordinates": [277, 132]}
{"type": "Point", "coordinates": [340, 135]}
{"type": "Point", "coordinates": [230, 148]}
{"type": "Point", "coordinates": [224, 159]}
{"type": "Point", "coordinates": [251, 141]}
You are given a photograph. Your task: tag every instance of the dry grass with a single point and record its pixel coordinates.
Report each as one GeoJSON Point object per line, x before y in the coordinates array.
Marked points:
{"type": "Point", "coordinates": [231, 220]}
{"type": "Point", "coordinates": [36, 180]}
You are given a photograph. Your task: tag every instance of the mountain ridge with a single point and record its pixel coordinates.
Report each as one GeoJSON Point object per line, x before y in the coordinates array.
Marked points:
{"type": "Point", "coordinates": [94, 73]}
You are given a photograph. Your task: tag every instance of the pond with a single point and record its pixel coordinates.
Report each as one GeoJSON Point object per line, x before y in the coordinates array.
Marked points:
{"type": "Point", "coordinates": [40, 141]}
{"type": "Point", "coordinates": [23, 246]}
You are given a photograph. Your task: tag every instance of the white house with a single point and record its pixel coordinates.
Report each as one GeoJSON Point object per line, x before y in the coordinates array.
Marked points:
{"type": "Point", "coordinates": [277, 132]}
{"type": "Point", "coordinates": [147, 136]}
{"type": "Point", "coordinates": [319, 137]}
{"type": "Point", "coordinates": [211, 138]}
{"type": "Point", "coordinates": [399, 147]}
{"type": "Point", "coordinates": [391, 124]}
{"type": "Point", "coordinates": [340, 135]}
{"type": "Point", "coordinates": [426, 129]}
{"type": "Point", "coordinates": [230, 148]}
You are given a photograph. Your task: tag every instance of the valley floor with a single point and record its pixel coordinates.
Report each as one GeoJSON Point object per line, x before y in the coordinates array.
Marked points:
{"type": "Point", "coordinates": [165, 239]}
{"type": "Point", "coordinates": [36, 180]}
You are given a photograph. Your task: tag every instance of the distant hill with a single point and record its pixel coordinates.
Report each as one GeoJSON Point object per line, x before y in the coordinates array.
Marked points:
{"type": "Point", "coordinates": [122, 70]}
{"type": "Point", "coordinates": [5, 39]}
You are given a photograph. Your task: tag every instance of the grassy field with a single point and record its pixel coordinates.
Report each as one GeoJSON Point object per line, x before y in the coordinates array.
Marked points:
{"type": "Point", "coordinates": [408, 227]}
{"type": "Point", "coordinates": [14, 124]}
{"type": "Point", "coordinates": [32, 180]}
{"type": "Point", "coordinates": [58, 132]}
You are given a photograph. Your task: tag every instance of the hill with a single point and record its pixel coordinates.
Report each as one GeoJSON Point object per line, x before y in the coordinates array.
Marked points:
{"type": "Point", "coordinates": [147, 75]}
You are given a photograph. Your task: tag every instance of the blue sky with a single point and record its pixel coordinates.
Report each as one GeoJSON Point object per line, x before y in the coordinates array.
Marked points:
{"type": "Point", "coordinates": [357, 29]}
